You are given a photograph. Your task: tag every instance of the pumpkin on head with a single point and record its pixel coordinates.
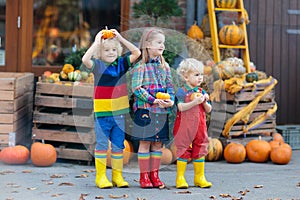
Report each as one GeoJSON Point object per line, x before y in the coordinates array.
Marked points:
{"type": "Point", "coordinates": [43, 155]}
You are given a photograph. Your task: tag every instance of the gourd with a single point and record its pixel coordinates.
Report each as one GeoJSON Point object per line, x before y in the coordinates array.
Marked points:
{"type": "Point", "coordinates": [231, 34]}
{"type": "Point", "coordinates": [63, 76]}
{"type": "Point", "coordinates": [18, 154]}
{"type": "Point", "coordinates": [167, 156]}
{"type": "Point", "coordinates": [215, 150]}
{"type": "Point", "coordinates": [226, 3]}
{"type": "Point", "coordinates": [162, 95]}
{"type": "Point", "coordinates": [195, 32]}
{"type": "Point", "coordinates": [281, 153]}
{"type": "Point", "coordinates": [67, 68]}
{"type": "Point", "coordinates": [43, 155]}
{"type": "Point", "coordinates": [74, 76]}
{"type": "Point", "coordinates": [258, 150]}
{"type": "Point", "coordinates": [235, 153]}
{"type": "Point", "coordinates": [251, 77]}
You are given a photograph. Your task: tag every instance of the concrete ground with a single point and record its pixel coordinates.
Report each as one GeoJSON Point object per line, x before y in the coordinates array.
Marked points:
{"type": "Point", "coordinates": [73, 181]}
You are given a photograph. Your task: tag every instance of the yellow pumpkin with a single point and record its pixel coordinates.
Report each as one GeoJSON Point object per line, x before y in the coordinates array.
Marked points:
{"type": "Point", "coordinates": [67, 68]}
{"type": "Point", "coordinates": [231, 34]}
{"type": "Point", "coordinates": [226, 3]}
{"type": "Point", "coordinates": [195, 32]}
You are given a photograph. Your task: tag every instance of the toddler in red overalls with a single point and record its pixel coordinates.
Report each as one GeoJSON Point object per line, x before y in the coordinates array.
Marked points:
{"type": "Point", "coordinates": [190, 130]}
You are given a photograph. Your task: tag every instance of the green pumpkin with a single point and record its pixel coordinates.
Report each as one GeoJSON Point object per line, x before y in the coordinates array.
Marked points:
{"type": "Point", "coordinates": [251, 77]}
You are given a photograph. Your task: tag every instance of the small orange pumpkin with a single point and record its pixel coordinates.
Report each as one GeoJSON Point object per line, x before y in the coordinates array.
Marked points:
{"type": "Point", "coordinates": [258, 150]}
{"type": "Point", "coordinates": [43, 155]}
{"type": "Point", "coordinates": [18, 154]}
{"type": "Point", "coordinates": [167, 156]}
{"type": "Point", "coordinates": [107, 34]}
{"type": "Point", "coordinates": [127, 152]}
{"type": "Point", "coordinates": [215, 150]}
{"type": "Point", "coordinates": [162, 95]}
{"type": "Point", "coordinates": [195, 94]}
{"type": "Point", "coordinates": [195, 32]}
{"type": "Point", "coordinates": [231, 34]}
{"type": "Point", "coordinates": [234, 153]}
{"type": "Point", "coordinates": [281, 154]}
{"type": "Point", "coordinates": [278, 137]}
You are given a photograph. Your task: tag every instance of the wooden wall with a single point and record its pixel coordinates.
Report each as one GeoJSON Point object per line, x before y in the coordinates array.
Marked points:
{"type": "Point", "coordinates": [274, 42]}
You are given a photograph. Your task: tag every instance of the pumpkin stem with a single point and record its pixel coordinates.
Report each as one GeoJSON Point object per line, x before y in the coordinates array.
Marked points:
{"type": "Point", "coordinates": [195, 22]}
{"type": "Point", "coordinates": [106, 28]}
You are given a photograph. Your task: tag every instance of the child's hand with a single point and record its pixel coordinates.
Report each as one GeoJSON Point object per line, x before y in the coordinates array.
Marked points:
{"type": "Point", "coordinates": [98, 37]}
{"type": "Point", "coordinates": [206, 97]}
{"type": "Point", "coordinates": [116, 33]}
{"type": "Point", "coordinates": [164, 103]}
{"type": "Point", "coordinates": [199, 99]}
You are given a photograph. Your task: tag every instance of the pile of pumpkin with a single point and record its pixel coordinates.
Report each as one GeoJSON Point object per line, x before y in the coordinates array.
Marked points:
{"type": "Point", "coordinates": [68, 73]}
{"type": "Point", "coordinates": [41, 155]}
{"type": "Point", "coordinates": [256, 150]}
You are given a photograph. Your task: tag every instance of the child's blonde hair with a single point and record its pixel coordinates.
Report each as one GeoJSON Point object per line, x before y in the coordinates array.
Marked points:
{"type": "Point", "coordinates": [110, 40]}
{"type": "Point", "coordinates": [147, 36]}
{"type": "Point", "coordinates": [189, 65]}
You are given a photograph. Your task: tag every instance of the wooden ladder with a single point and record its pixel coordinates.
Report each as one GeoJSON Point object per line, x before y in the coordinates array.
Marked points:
{"type": "Point", "coordinates": [215, 36]}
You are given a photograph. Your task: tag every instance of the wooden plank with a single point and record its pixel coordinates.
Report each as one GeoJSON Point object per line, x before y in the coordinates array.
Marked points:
{"type": "Point", "coordinates": [7, 80]}
{"type": "Point", "coordinates": [234, 108]}
{"type": "Point", "coordinates": [23, 136]}
{"type": "Point", "coordinates": [73, 154]}
{"type": "Point", "coordinates": [63, 102]}
{"type": "Point", "coordinates": [14, 105]}
{"type": "Point", "coordinates": [84, 90]}
{"type": "Point", "coordinates": [7, 128]}
{"type": "Point", "coordinates": [7, 118]}
{"type": "Point", "coordinates": [63, 119]}
{"type": "Point", "coordinates": [63, 136]}
{"type": "Point", "coordinates": [246, 96]}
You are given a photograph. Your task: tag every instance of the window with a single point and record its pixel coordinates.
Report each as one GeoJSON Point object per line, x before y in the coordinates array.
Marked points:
{"type": "Point", "coordinates": [61, 27]}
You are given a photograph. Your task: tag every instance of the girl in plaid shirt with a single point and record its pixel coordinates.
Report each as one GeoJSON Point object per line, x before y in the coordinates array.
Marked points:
{"type": "Point", "coordinates": [151, 75]}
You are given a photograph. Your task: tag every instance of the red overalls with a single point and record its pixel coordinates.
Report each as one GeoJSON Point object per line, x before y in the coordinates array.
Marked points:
{"type": "Point", "coordinates": [190, 131]}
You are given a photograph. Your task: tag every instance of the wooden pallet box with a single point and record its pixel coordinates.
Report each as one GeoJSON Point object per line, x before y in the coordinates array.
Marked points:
{"type": "Point", "coordinates": [63, 117]}
{"type": "Point", "coordinates": [16, 104]}
{"type": "Point", "coordinates": [231, 104]}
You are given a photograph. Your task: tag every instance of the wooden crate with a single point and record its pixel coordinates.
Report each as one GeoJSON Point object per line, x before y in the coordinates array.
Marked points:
{"type": "Point", "coordinates": [231, 104]}
{"type": "Point", "coordinates": [16, 104]}
{"type": "Point", "coordinates": [63, 117]}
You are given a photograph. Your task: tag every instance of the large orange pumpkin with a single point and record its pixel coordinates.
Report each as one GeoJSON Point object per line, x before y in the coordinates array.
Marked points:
{"type": "Point", "coordinates": [235, 153]}
{"type": "Point", "coordinates": [195, 32]}
{"type": "Point", "coordinates": [167, 156]}
{"type": "Point", "coordinates": [231, 35]}
{"type": "Point", "coordinates": [215, 150]}
{"type": "Point", "coordinates": [14, 155]}
{"type": "Point", "coordinates": [43, 155]}
{"type": "Point", "coordinates": [226, 3]}
{"type": "Point", "coordinates": [258, 150]}
{"type": "Point", "coordinates": [281, 154]}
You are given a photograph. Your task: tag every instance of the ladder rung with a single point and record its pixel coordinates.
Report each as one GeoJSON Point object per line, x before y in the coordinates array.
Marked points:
{"type": "Point", "coordinates": [232, 46]}
{"type": "Point", "coordinates": [229, 9]}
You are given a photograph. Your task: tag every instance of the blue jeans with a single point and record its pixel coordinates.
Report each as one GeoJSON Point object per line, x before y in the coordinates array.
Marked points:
{"type": "Point", "coordinates": [112, 129]}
